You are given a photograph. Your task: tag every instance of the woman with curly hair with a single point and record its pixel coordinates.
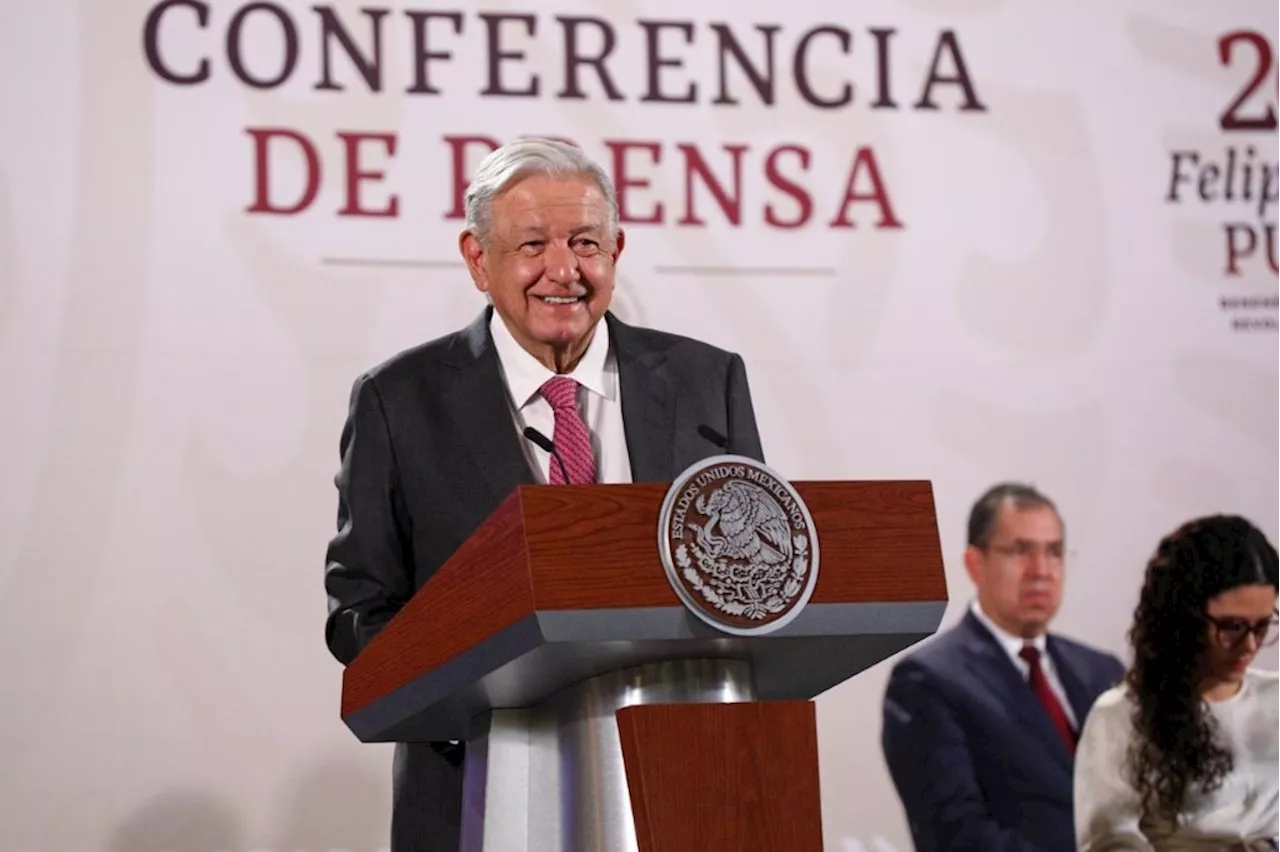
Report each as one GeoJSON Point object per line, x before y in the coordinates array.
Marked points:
{"type": "Point", "coordinates": [1183, 754]}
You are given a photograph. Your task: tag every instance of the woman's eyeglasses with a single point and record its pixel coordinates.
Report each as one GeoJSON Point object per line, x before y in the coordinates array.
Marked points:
{"type": "Point", "coordinates": [1231, 632]}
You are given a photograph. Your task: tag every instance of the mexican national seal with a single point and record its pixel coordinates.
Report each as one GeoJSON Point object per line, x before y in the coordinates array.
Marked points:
{"type": "Point", "coordinates": [738, 545]}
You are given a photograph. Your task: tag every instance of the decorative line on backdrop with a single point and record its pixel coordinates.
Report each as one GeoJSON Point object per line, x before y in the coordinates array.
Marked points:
{"type": "Point", "coordinates": [410, 263]}
{"type": "Point", "coordinates": [815, 271]}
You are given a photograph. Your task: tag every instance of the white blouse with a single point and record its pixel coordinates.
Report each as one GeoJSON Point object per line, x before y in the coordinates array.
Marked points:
{"type": "Point", "coordinates": [1240, 815]}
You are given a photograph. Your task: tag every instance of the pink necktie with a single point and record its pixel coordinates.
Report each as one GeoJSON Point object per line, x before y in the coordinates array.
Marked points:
{"type": "Point", "coordinates": [572, 440]}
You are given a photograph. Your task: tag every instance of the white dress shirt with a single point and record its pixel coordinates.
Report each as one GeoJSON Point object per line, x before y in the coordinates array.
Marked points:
{"type": "Point", "coordinates": [1242, 814]}
{"type": "Point", "coordinates": [1013, 646]}
{"type": "Point", "coordinates": [599, 401]}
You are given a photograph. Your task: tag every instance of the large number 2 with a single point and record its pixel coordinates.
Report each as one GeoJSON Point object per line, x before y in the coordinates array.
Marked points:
{"type": "Point", "coordinates": [1231, 118]}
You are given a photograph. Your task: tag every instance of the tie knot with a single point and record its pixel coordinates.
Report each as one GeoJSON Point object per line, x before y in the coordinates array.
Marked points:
{"type": "Point", "coordinates": [1031, 654]}
{"type": "Point", "coordinates": [561, 392]}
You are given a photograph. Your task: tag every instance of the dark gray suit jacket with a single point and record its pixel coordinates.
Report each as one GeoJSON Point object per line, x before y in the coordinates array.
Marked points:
{"type": "Point", "coordinates": [429, 450]}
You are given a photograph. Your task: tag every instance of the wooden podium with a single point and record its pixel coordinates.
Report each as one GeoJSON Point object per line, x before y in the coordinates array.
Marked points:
{"type": "Point", "coordinates": [599, 712]}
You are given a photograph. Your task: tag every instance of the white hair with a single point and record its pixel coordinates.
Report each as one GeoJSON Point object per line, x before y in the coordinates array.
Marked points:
{"type": "Point", "coordinates": [530, 155]}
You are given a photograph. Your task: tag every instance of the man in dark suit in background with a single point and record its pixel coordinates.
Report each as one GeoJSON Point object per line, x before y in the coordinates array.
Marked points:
{"type": "Point", "coordinates": [434, 438]}
{"type": "Point", "coordinates": [980, 724]}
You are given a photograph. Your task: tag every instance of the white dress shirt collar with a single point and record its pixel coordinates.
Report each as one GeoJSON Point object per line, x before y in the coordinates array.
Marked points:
{"type": "Point", "coordinates": [525, 374]}
{"type": "Point", "coordinates": [1012, 644]}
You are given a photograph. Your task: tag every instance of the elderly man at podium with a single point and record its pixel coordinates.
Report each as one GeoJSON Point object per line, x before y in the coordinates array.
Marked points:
{"type": "Point", "coordinates": [980, 724]}
{"type": "Point", "coordinates": [545, 386]}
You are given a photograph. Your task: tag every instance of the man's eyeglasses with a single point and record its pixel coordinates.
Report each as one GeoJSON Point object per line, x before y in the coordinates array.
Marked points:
{"type": "Point", "coordinates": [1024, 550]}
{"type": "Point", "coordinates": [1231, 632]}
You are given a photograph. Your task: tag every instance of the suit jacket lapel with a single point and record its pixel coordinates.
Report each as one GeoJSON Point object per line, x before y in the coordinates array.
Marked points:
{"type": "Point", "coordinates": [481, 412]}
{"type": "Point", "coordinates": [993, 665]}
{"type": "Point", "coordinates": [1077, 694]}
{"type": "Point", "coordinates": [648, 404]}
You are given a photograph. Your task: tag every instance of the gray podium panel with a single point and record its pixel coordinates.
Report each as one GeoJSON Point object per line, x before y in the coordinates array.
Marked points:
{"type": "Point", "coordinates": [545, 652]}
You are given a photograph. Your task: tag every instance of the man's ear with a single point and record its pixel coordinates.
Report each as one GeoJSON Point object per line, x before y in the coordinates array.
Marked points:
{"type": "Point", "coordinates": [473, 255]}
{"type": "Point", "coordinates": [619, 242]}
{"type": "Point", "coordinates": [973, 563]}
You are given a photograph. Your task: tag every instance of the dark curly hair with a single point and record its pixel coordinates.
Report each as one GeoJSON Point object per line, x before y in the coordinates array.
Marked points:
{"type": "Point", "coordinates": [1175, 744]}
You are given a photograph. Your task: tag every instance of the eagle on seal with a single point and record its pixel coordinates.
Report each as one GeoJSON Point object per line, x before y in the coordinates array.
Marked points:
{"type": "Point", "coordinates": [752, 526]}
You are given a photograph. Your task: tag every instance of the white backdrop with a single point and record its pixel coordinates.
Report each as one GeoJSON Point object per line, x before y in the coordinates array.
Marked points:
{"type": "Point", "coordinates": [177, 364]}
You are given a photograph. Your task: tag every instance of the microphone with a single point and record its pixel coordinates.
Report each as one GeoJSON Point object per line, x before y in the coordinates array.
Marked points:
{"type": "Point", "coordinates": [545, 443]}
{"type": "Point", "coordinates": [713, 436]}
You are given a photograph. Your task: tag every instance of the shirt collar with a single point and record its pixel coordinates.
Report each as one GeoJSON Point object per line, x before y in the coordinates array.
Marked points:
{"type": "Point", "coordinates": [1012, 644]}
{"type": "Point", "coordinates": [525, 374]}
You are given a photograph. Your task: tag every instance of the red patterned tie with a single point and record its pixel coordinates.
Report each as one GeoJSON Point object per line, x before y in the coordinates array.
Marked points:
{"type": "Point", "coordinates": [1040, 686]}
{"type": "Point", "coordinates": [572, 440]}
